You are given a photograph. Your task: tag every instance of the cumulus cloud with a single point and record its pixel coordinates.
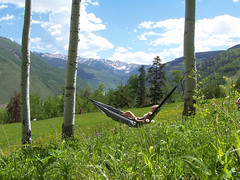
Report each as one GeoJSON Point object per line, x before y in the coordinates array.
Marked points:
{"type": "Point", "coordinates": [138, 57]}
{"type": "Point", "coordinates": [90, 44]}
{"type": "Point", "coordinates": [18, 3]}
{"type": "Point", "coordinates": [3, 6]}
{"type": "Point", "coordinates": [166, 32]}
{"type": "Point", "coordinates": [35, 43]}
{"type": "Point", "coordinates": [146, 25]}
{"type": "Point", "coordinates": [121, 50]}
{"type": "Point", "coordinates": [57, 25]}
{"type": "Point", "coordinates": [7, 17]}
{"type": "Point", "coordinates": [219, 31]}
{"type": "Point", "coordinates": [210, 33]}
{"type": "Point", "coordinates": [235, 0]}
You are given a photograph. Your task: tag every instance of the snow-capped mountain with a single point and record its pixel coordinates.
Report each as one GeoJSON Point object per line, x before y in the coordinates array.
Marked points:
{"type": "Point", "coordinates": [95, 71]}
{"type": "Point", "coordinates": [116, 65]}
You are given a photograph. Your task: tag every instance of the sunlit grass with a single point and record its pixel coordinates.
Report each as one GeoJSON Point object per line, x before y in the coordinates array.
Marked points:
{"type": "Point", "coordinates": [87, 124]}
{"type": "Point", "coordinates": [205, 146]}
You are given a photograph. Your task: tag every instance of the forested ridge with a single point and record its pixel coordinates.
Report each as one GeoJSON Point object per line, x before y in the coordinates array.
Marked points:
{"type": "Point", "coordinates": [225, 64]}
{"type": "Point", "coordinates": [48, 80]}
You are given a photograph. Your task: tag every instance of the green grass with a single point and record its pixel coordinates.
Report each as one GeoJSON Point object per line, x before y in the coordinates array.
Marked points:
{"type": "Point", "coordinates": [206, 146]}
{"type": "Point", "coordinates": [88, 123]}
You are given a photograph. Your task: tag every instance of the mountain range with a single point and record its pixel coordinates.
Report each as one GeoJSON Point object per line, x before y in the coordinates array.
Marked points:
{"type": "Point", "coordinates": [95, 71]}
{"type": "Point", "coordinates": [47, 74]}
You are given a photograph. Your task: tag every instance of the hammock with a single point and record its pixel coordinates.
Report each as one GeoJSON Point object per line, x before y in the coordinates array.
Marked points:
{"type": "Point", "coordinates": [116, 114]}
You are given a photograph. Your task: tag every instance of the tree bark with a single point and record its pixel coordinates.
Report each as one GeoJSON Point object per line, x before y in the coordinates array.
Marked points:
{"type": "Point", "coordinates": [71, 74]}
{"type": "Point", "coordinates": [25, 83]}
{"type": "Point", "coordinates": [189, 57]}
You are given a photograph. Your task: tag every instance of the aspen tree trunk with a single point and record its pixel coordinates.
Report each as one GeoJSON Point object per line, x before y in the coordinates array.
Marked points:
{"type": "Point", "coordinates": [71, 74]}
{"type": "Point", "coordinates": [189, 57]}
{"type": "Point", "coordinates": [25, 104]}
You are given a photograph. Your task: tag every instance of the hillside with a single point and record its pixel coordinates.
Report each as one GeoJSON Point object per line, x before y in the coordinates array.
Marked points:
{"type": "Point", "coordinates": [44, 78]}
{"type": "Point", "coordinates": [225, 64]}
{"type": "Point", "coordinates": [178, 63]}
{"type": "Point", "coordinates": [95, 71]}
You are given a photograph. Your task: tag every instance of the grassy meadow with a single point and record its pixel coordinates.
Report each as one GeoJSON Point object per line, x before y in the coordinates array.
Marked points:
{"type": "Point", "coordinates": [206, 146]}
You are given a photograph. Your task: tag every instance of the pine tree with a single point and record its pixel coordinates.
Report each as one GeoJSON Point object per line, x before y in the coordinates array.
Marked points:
{"type": "Point", "coordinates": [141, 91]}
{"type": "Point", "coordinates": [71, 74]}
{"type": "Point", "coordinates": [14, 108]}
{"type": "Point", "coordinates": [156, 79]}
{"type": "Point", "coordinates": [132, 84]}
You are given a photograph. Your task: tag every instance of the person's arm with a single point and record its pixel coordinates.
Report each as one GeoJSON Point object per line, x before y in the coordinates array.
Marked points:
{"type": "Point", "coordinates": [146, 117]}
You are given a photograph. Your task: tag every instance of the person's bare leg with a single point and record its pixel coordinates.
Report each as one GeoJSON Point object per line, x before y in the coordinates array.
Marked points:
{"type": "Point", "coordinates": [129, 114]}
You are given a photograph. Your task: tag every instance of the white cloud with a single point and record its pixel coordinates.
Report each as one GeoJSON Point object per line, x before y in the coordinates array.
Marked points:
{"type": "Point", "coordinates": [56, 25]}
{"type": "Point", "coordinates": [3, 6]}
{"type": "Point", "coordinates": [235, 0]}
{"type": "Point", "coordinates": [169, 32]}
{"type": "Point", "coordinates": [18, 3]}
{"type": "Point", "coordinates": [35, 44]}
{"type": "Point", "coordinates": [7, 17]}
{"type": "Point", "coordinates": [55, 29]}
{"type": "Point", "coordinates": [146, 25]}
{"type": "Point", "coordinates": [90, 44]}
{"type": "Point", "coordinates": [121, 49]}
{"type": "Point", "coordinates": [210, 33]}
{"type": "Point", "coordinates": [139, 57]}
{"type": "Point", "coordinates": [219, 31]}
{"type": "Point", "coordinates": [143, 36]}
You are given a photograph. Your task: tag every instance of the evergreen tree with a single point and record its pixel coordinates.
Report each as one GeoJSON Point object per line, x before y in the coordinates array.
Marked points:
{"type": "Point", "coordinates": [132, 84]}
{"type": "Point", "coordinates": [141, 91]}
{"type": "Point", "coordinates": [156, 79]}
{"type": "Point", "coordinates": [14, 109]}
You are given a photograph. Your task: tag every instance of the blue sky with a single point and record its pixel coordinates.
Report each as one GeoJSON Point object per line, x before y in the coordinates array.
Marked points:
{"type": "Point", "coordinates": [133, 31]}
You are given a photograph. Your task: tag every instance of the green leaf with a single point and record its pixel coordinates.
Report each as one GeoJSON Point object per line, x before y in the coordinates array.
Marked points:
{"type": "Point", "coordinates": [197, 166]}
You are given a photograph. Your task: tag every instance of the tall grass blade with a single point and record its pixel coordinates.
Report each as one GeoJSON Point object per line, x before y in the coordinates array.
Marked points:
{"type": "Point", "coordinates": [197, 167]}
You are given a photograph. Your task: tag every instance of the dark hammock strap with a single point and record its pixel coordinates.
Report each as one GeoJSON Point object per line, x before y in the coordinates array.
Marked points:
{"type": "Point", "coordinates": [165, 100]}
{"type": "Point", "coordinates": [162, 103]}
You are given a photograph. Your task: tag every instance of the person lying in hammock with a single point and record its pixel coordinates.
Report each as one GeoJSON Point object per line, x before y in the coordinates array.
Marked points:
{"type": "Point", "coordinates": [146, 116]}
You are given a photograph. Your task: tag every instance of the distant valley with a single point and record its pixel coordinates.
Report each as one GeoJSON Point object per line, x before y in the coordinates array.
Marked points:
{"type": "Point", "coordinates": [48, 70]}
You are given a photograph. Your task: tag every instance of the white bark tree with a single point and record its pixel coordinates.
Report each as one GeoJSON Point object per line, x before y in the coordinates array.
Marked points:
{"type": "Point", "coordinates": [189, 57]}
{"type": "Point", "coordinates": [71, 74]}
{"type": "Point", "coordinates": [25, 104]}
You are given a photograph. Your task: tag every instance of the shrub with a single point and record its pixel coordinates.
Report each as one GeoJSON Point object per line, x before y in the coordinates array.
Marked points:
{"type": "Point", "coordinates": [237, 85]}
{"type": "Point", "coordinates": [214, 91]}
{"type": "Point", "coordinates": [36, 107]}
{"type": "Point", "coordinates": [14, 109]}
{"type": "Point", "coordinates": [53, 106]}
{"type": "Point", "coordinates": [3, 116]}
